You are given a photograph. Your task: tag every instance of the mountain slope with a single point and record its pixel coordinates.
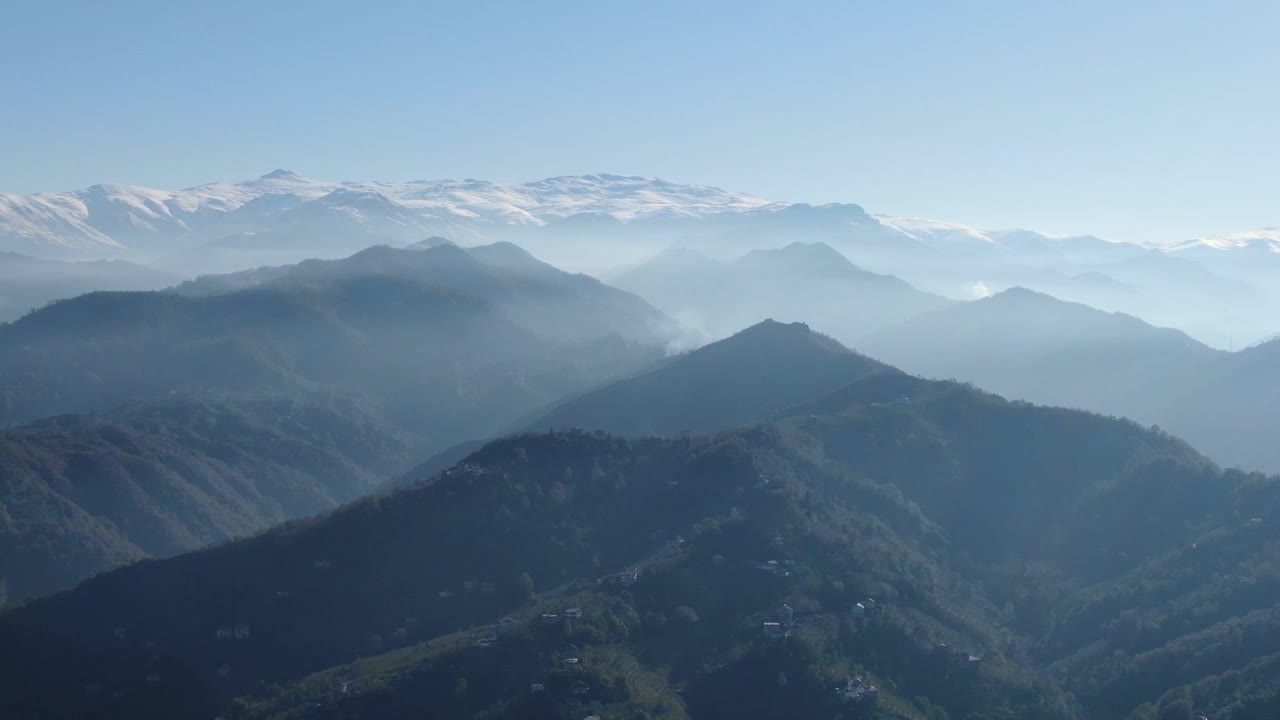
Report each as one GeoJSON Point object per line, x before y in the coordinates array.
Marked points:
{"type": "Point", "coordinates": [540, 296]}
{"type": "Point", "coordinates": [1229, 407]}
{"type": "Point", "coordinates": [1027, 345]}
{"type": "Point", "coordinates": [84, 494]}
{"type": "Point", "coordinates": [741, 380]}
{"type": "Point", "coordinates": [809, 281]}
{"type": "Point", "coordinates": [448, 347]}
{"type": "Point", "coordinates": [555, 509]}
{"type": "Point", "coordinates": [984, 527]}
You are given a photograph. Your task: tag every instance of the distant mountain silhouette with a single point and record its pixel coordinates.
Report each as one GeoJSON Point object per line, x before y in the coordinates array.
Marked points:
{"type": "Point", "coordinates": [28, 283]}
{"type": "Point", "coordinates": [1031, 346]}
{"type": "Point", "coordinates": [802, 281]}
{"type": "Point", "coordinates": [545, 299]}
{"type": "Point", "coordinates": [744, 379]}
{"type": "Point", "coordinates": [448, 345]}
{"type": "Point", "coordinates": [1229, 408]}
{"type": "Point", "coordinates": [431, 347]}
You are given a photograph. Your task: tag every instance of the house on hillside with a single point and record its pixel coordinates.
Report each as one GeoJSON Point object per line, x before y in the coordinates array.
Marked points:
{"type": "Point", "coordinates": [859, 611]}
{"type": "Point", "coordinates": [573, 613]}
{"type": "Point", "coordinates": [242, 632]}
{"type": "Point", "coordinates": [626, 578]}
{"type": "Point", "coordinates": [855, 690]}
{"type": "Point", "coordinates": [773, 630]}
{"type": "Point", "coordinates": [225, 633]}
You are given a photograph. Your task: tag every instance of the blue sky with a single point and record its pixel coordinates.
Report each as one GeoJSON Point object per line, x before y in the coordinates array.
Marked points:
{"type": "Point", "coordinates": [1132, 120]}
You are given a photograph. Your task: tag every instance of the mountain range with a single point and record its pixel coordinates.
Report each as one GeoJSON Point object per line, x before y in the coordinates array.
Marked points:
{"type": "Point", "coordinates": [967, 556]}
{"type": "Point", "coordinates": [85, 493]}
{"type": "Point", "coordinates": [1030, 346]}
{"type": "Point", "coordinates": [146, 423]}
{"type": "Point", "coordinates": [1219, 289]}
{"type": "Point", "coordinates": [114, 219]}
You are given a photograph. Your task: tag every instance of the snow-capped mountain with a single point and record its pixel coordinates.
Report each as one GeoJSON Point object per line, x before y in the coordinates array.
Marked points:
{"type": "Point", "coordinates": [1262, 240]}
{"type": "Point", "coordinates": [118, 220]}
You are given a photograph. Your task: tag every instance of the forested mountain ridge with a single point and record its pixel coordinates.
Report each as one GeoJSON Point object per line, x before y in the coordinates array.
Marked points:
{"type": "Point", "coordinates": [539, 296]}
{"type": "Point", "coordinates": [742, 380]}
{"type": "Point", "coordinates": [996, 528]}
{"type": "Point", "coordinates": [426, 348]}
{"type": "Point", "coordinates": [85, 493]}
{"type": "Point", "coordinates": [448, 346]}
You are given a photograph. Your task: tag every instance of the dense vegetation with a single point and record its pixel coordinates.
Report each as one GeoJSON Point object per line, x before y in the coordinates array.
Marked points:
{"type": "Point", "coordinates": [83, 493]}
{"type": "Point", "coordinates": [441, 362]}
{"type": "Point", "coordinates": [235, 402]}
{"type": "Point", "coordinates": [1032, 563]}
{"type": "Point", "coordinates": [741, 380]}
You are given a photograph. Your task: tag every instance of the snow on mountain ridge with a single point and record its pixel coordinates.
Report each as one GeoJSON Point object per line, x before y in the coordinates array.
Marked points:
{"type": "Point", "coordinates": [1261, 239]}
{"type": "Point", "coordinates": [110, 219]}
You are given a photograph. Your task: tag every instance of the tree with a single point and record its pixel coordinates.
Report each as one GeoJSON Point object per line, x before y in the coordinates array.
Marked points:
{"type": "Point", "coordinates": [524, 586]}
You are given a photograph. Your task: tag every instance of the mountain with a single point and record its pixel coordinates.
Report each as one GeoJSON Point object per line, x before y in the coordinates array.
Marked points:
{"type": "Point", "coordinates": [541, 297]}
{"type": "Point", "coordinates": [448, 346]}
{"type": "Point", "coordinates": [1227, 408]}
{"type": "Point", "coordinates": [1261, 242]}
{"type": "Point", "coordinates": [801, 280]}
{"type": "Point", "coordinates": [741, 380]}
{"type": "Point", "coordinates": [1027, 345]}
{"type": "Point", "coordinates": [27, 283]}
{"type": "Point", "coordinates": [1214, 288]}
{"type": "Point", "coordinates": [283, 208]}
{"type": "Point", "coordinates": [429, 348]}
{"type": "Point", "coordinates": [85, 493]}
{"type": "Point", "coordinates": [1031, 346]}
{"type": "Point", "coordinates": [968, 556]}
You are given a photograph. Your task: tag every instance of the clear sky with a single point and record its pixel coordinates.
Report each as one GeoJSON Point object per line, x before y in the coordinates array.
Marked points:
{"type": "Point", "coordinates": [1137, 120]}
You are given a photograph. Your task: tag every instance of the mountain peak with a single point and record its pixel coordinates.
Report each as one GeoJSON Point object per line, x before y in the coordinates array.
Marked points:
{"type": "Point", "coordinates": [815, 257]}
{"type": "Point", "coordinates": [281, 174]}
{"type": "Point", "coordinates": [770, 334]}
{"type": "Point", "coordinates": [433, 241]}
